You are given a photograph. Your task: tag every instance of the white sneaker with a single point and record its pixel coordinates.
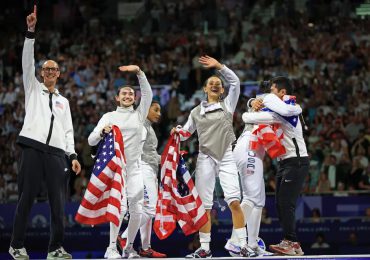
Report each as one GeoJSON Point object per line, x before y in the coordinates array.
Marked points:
{"type": "Point", "coordinates": [130, 253]}
{"type": "Point", "coordinates": [20, 253]}
{"type": "Point", "coordinates": [112, 253]}
{"type": "Point", "coordinates": [59, 253]}
{"type": "Point", "coordinates": [233, 248]}
{"type": "Point", "coordinates": [262, 252]}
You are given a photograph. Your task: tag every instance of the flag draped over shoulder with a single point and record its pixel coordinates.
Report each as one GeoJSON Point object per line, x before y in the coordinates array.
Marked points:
{"type": "Point", "coordinates": [178, 198]}
{"type": "Point", "coordinates": [102, 200]}
{"type": "Point", "coordinates": [270, 137]}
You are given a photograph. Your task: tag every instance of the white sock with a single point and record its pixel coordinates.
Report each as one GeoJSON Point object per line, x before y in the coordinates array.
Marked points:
{"type": "Point", "coordinates": [246, 207]}
{"type": "Point", "coordinates": [241, 234]}
{"type": "Point", "coordinates": [205, 240]}
{"type": "Point", "coordinates": [233, 238]}
{"type": "Point", "coordinates": [253, 226]}
{"type": "Point", "coordinates": [146, 232]}
{"type": "Point", "coordinates": [113, 232]}
{"type": "Point", "coordinates": [132, 229]}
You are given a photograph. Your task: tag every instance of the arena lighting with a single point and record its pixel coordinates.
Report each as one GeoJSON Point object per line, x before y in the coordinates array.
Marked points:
{"type": "Point", "coordinates": [364, 9]}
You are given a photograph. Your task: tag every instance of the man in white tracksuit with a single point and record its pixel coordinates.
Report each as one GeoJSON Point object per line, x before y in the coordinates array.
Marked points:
{"type": "Point", "coordinates": [46, 139]}
{"type": "Point", "coordinates": [292, 167]}
{"type": "Point", "coordinates": [131, 123]}
{"type": "Point", "coordinates": [212, 120]}
{"type": "Point", "coordinates": [250, 167]}
{"type": "Point", "coordinates": [150, 161]}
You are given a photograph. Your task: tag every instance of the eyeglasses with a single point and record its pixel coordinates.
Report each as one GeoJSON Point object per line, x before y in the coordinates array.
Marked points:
{"type": "Point", "coordinates": [50, 69]}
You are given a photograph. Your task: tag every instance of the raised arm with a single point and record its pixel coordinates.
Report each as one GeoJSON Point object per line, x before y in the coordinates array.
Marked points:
{"type": "Point", "coordinates": [234, 91]}
{"type": "Point", "coordinates": [145, 89]}
{"type": "Point", "coordinates": [28, 61]}
{"type": "Point", "coordinates": [277, 105]}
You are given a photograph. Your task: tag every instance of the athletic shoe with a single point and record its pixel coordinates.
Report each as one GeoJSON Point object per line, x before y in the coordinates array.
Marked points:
{"type": "Point", "coordinates": [233, 248]}
{"type": "Point", "coordinates": [297, 248]}
{"type": "Point", "coordinates": [112, 253]}
{"type": "Point", "coordinates": [150, 253]}
{"type": "Point", "coordinates": [246, 251]}
{"type": "Point", "coordinates": [59, 253]}
{"type": "Point", "coordinates": [262, 252]}
{"type": "Point", "coordinates": [121, 242]}
{"type": "Point", "coordinates": [20, 253]}
{"type": "Point", "coordinates": [200, 253]}
{"type": "Point", "coordinates": [287, 247]}
{"type": "Point", "coordinates": [130, 253]}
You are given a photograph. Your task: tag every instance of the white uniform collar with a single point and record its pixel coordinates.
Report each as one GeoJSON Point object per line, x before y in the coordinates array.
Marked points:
{"type": "Point", "coordinates": [125, 109]}
{"type": "Point", "coordinates": [46, 90]}
{"type": "Point", "coordinates": [206, 107]}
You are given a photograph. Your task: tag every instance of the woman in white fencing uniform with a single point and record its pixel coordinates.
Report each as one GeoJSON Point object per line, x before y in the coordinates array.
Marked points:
{"type": "Point", "coordinates": [150, 160]}
{"type": "Point", "coordinates": [131, 123]}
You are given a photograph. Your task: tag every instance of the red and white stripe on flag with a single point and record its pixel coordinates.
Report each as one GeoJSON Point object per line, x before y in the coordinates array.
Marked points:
{"type": "Point", "coordinates": [270, 137]}
{"type": "Point", "coordinates": [102, 200]}
{"type": "Point", "coordinates": [188, 209]}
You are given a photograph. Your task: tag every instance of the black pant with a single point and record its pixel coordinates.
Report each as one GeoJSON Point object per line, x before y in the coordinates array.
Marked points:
{"type": "Point", "coordinates": [36, 166]}
{"type": "Point", "coordinates": [289, 181]}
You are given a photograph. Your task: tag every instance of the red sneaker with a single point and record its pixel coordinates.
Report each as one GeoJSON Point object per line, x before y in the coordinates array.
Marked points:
{"type": "Point", "coordinates": [121, 242]}
{"type": "Point", "coordinates": [284, 247]}
{"type": "Point", "coordinates": [150, 253]}
{"type": "Point", "coordinates": [287, 247]}
{"type": "Point", "coordinates": [297, 248]}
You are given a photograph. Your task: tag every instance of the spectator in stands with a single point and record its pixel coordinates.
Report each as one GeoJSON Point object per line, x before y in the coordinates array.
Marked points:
{"type": "Point", "coordinates": [353, 239]}
{"type": "Point", "coordinates": [343, 170]}
{"type": "Point", "coordinates": [364, 183]}
{"type": "Point", "coordinates": [323, 184]}
{"type": "Point", "coordinates": [316, 216]}
{"type": "Point", "coordinates": [2, 189]}
{"type": "Point", "coordinates": [320, 242]}
{"type": "Point", "coordinates": [329, 168]}
{"type": "Point", "coordinates": [367, 215]}
{"type": "Point", "coordinates": [356, 173]}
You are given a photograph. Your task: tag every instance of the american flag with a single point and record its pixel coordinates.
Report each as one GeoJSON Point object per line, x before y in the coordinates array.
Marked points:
{"type": "Point", "coordinates": [59, 104]}
{"type": "Point", "coordinates": [178, 198]}
{"type": "Point", "coordinates": [102, 200]}
{"type": "Point", "coordinates": [270, 137]}
{"type": "Point", "coordinates": [290, 100]}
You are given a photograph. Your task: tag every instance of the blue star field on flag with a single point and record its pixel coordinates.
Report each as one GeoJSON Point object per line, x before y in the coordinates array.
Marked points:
{"type": "Point", "coordinates": [293, 120]}
{"type": "Point", "coordinates": [105, 154]}
{"type": "Point", "coordinates": [182, 187]}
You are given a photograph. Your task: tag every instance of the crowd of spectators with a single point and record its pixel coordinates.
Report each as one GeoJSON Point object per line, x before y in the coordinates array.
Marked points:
{"type": "Point", "coordinates": [326, 55]}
